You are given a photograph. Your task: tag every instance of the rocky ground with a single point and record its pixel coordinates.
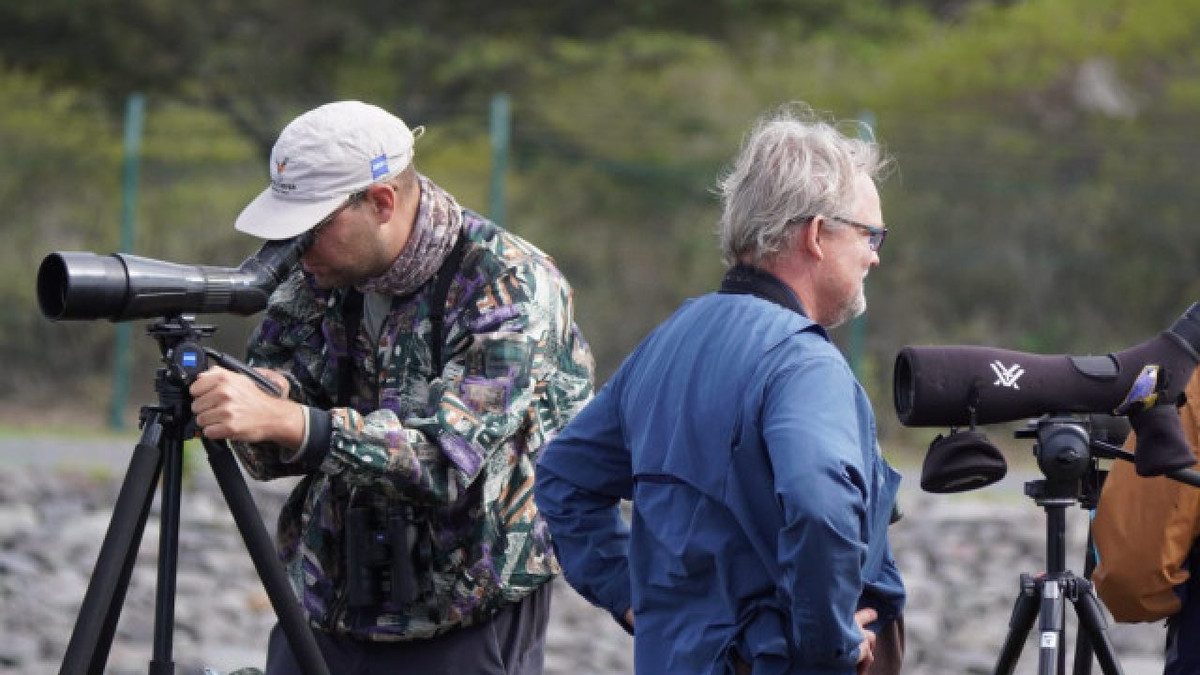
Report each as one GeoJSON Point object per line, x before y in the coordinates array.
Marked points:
{"type": "Point", "coordinates": [961, 556]}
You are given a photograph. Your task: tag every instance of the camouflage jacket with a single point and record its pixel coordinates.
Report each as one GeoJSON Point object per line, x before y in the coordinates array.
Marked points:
{"type": "Point", "coordinates": [454, 454]}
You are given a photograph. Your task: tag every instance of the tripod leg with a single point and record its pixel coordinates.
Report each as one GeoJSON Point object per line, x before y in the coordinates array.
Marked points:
{"type": "Point", "coordinates": [1051, 657]}
{"type": "Point", "coordinates": [1083, 640]}
{"type": "Point", "coordinates": [1093, 624]}
{"type": "Point", "coordinates": [87, 651]}
{"type": "Point", "coordinates": [1025, 610]}
{"type": "Point", "coordinates": [266, 560]}
{"type": "Point", "coordinates": [162, 662]}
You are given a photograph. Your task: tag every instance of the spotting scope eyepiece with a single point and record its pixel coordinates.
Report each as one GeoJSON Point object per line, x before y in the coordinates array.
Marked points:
{"type": "Point", "coordinates": [960, 385]}
{"type": "Point", "coordinates": [120, 287]}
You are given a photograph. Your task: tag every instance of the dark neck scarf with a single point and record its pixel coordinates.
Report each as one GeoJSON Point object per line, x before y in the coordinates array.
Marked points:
{"type": "Point", "coordinates": [744, 279]}
{"type": "Point", "coordinates": [435, 229]}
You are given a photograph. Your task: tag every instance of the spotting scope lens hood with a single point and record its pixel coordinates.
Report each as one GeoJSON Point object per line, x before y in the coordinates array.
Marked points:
{"type": "Point", "coordinates": [76, 285]}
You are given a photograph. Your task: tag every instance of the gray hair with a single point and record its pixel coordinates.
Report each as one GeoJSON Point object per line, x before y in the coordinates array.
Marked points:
{"type": "Point", "coordinates": [793, 164]}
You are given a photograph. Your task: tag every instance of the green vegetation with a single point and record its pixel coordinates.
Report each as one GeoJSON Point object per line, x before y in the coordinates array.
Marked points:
{"type": "Point", "coordinates": [1043, 198]}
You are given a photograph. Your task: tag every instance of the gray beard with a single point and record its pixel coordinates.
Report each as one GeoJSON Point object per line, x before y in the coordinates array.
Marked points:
{"type": "Point", "coordinates": [853, 309]}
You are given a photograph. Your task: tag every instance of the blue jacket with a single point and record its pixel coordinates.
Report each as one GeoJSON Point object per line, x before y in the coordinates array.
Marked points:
{"type": "Point", "coordinates": [760, 500]}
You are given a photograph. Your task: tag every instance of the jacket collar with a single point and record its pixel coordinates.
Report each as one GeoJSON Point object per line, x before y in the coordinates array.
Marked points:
{"type": "Point", "coordinates": [742, 279]}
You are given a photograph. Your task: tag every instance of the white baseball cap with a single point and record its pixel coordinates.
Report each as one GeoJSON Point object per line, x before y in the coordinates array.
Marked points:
{"type": "Point", "coordinates": [320, 159]}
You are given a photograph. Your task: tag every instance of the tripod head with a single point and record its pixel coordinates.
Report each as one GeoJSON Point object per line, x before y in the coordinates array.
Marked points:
{"type": "Point", "coordinates": [1064, 453]}
{"type": "Point", "coordinates": [175, 328]}
{"type": "Point", "coordinates": [178, 338]}
{"type": "Point", "coordinates": [1070, 452]}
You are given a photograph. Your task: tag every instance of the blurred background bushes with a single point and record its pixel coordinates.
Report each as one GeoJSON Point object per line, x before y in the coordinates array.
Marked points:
{"type": "Point", "coordinates": [1043, 197]}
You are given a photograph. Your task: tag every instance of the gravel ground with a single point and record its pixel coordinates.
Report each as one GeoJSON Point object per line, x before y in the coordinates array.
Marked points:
{"type": "Point", "coordinates": [961, 556]}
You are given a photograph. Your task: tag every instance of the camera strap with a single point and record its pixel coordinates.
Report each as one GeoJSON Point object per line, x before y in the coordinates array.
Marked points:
{"type": "Point", "coordinates": [437, 303]}
{"type": "Point", "coordinates": [352, 310]}
{"type": "Point", "coordinates": [352, 306]}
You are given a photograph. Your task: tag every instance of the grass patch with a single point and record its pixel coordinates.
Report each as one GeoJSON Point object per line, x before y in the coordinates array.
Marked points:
{"type": "Point", "coordinates": [25, 421]}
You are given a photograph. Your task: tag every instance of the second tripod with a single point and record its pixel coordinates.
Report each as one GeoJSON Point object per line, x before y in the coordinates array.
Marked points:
{"type": "Point", "coordinates": [1063, 449]}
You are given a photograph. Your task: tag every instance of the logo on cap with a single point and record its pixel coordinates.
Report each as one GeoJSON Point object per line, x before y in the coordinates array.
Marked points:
{"type": "Point", "coordinates": [379, 167]}
{"type": "Point", "coordinates": [281, 165]}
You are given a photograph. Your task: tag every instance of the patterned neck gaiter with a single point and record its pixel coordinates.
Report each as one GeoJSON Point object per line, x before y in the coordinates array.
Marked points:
{"type": "Point", "coordinates": [435, 230]}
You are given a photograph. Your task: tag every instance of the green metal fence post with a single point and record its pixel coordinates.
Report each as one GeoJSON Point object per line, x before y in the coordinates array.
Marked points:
{"type": "Point", "coordinates": [501, 133]}
{"type": "Point", "coordinates": [135, 108]}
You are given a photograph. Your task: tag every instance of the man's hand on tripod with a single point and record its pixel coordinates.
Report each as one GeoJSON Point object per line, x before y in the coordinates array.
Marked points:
{"type": "Point", "coordinates": [230, 406]}
{"type": "Point", "coordinates": [866, 649]}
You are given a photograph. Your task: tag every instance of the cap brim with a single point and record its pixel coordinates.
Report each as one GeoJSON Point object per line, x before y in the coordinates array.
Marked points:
{"type": "Point", "coordinates": [269, 217]}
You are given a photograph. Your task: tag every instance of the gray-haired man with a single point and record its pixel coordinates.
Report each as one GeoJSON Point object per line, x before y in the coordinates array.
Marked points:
{"type": "Point", "coordinates": [760, 500]}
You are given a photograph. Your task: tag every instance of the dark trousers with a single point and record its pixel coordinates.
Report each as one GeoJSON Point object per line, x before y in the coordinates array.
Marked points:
{"type": "Point", "coordinates": [889, 649]}
{"type": "Point", "coordinates": [1183, 641]}
{"type": "Point", "coordinates": [512, 643]}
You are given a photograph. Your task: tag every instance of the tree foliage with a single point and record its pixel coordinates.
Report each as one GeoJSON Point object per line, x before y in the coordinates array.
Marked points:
{"type": "Point", "coordinates": [1045, 148]}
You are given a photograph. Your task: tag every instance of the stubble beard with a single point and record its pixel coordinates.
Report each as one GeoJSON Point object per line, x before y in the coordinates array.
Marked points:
{"type": "Point", "coordinates": [853, 308]}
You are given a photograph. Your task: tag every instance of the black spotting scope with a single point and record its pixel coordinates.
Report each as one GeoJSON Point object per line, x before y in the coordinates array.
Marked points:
{"type": "Point", "coordinates": [120, 287]}
{"type": "Point", "coordinates": [960, 385]}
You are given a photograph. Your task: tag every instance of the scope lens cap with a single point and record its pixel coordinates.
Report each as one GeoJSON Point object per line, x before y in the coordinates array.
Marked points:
{"type": "Point", "coordinates": [962, 461]}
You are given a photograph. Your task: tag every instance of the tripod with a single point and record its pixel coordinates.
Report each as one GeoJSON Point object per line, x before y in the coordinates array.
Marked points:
{"type": "Point", "coordinates": [159, 454]}
{"type": "Point", "coordinates": [1064, 453]}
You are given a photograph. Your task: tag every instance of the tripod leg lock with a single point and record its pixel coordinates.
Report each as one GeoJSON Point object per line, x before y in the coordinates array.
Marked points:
{"type": "Point", "coordinates": [1026, 605]}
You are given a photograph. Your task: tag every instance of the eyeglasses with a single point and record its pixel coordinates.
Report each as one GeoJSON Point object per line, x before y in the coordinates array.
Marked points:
{"type": "Point", "coordinates": [876, 234]}
{"type": "Point", "coordinates": [325, 222]}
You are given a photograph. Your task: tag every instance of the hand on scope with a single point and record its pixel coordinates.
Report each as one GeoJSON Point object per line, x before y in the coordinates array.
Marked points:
{"type": "Point", "coordinates": [866, 649]}
{"type": "Point", "coordinates": [230, 406]}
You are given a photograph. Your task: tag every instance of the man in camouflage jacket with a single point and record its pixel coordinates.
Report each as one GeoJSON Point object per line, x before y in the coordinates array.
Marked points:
{"type": "Point", "coordinates": [415, 434]}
